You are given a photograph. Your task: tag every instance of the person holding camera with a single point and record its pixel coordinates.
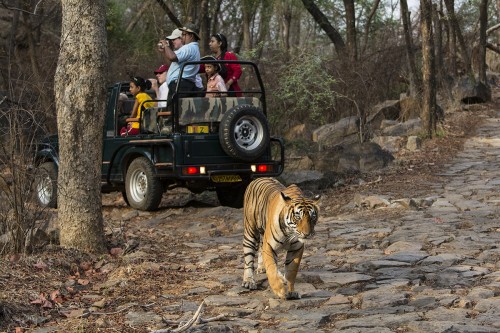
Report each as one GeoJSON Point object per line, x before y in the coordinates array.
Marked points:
{"type": "Point", "coordinates": [189, 51]}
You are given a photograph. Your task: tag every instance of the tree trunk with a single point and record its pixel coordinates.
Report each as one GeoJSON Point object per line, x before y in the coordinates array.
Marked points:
{"type": "Point", "coordinates": [428, 69]}
{"type": "Point", "coordinates": [286, 23]}
{"type": "Point", "coordinates": [450, 8]}
{"type": "Point", "coordinates": [324, 24]}
{"type": "Point", "coordinates": [248, 8]}
{"type": "Point", "coordinates": [415, 86]}
{"type": "Point", "coordinates": [350, 18]}
{"type": "Point", "coordinates": [266, 15]}
{"type": "Point", "coordinates": [483, 23]}
{"type": "Point", "coordinates": [368, 24]}
{"type": "Point", "coordinates": [138, 16]}
{"type": "Point", "coordinates": [170, 14]}
{"type": "Point", "coordinates": [204, 25]}
{"type": "Point", "coordinates": [438, 42]}
{"type": "Point", "coordinates": [80, 103]}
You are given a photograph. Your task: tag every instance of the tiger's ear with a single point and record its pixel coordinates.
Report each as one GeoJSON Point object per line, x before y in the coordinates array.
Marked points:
{"type": "Point", "coordinates": [316, 198]}
{"type": "Point", "coordinates": [285, 197]}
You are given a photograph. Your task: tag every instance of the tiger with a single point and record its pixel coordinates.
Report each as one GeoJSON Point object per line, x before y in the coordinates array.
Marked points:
{"type": "Point", "coordinates": [283, 217]}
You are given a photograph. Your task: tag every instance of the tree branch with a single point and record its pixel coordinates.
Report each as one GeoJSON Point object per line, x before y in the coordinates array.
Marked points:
{"type": "Point", "coordinates": [323, 22]}
{"type": "Point", "coordinates": [170, 14]}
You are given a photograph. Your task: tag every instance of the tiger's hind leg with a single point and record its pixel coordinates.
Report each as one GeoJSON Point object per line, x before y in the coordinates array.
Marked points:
{"type": "Point", "coordinates": [251, 242]}
{"type": "Point", "coordinates": [293, 258]}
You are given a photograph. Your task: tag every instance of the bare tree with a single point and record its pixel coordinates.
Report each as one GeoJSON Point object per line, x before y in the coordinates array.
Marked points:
{"type": "Point", "coordinates": [483, 22]}
{"type": "Point", "coordinates": [324, 24]}
{"type": "Point", "coordinates": [80, 102]}
{"type": "Point", "coordinates": [415, 86]}
{"type": "Point", "coordinates": [450, 8]}
{"type": "Point", "coordinates": [428, 69]}
{"type": "Point", "coordinates": [350, 18]}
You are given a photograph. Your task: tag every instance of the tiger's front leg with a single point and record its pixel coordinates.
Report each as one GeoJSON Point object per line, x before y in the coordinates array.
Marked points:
{"type": "Point", "coordinates": [292, 263]}
{"type": "Point", "coordinates": [274, 277]}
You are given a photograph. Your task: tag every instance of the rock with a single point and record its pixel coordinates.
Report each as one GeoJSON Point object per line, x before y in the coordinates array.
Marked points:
{"type": "Point", "coordinates": [387, 110]}
{"type": "Point", "coordinates": [391, 144]}
{"type": "Point", "coordinates": [403, 129]}
{"type": "Point", "coordinates": [329, 134]}
{"type": "Point", "coordinates": [413, 143]}
{"type": "Point", "coordinates": [363, 157]}
{"type": "Point", "coordinates": [470, 92]}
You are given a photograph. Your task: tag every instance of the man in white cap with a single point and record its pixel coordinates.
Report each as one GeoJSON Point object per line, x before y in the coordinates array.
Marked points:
{"type": "Point", "coordinates": [190, 51]}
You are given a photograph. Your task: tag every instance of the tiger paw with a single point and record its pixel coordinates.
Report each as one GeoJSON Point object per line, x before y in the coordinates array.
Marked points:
{"type": "Point", "coordinates": [249, 284]}
{"type": "Point", "coordinates": [292, 295]}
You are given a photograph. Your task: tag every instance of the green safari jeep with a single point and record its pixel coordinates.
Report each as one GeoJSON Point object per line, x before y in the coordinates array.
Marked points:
{"type": "Point", "coordinates": [204, 143]}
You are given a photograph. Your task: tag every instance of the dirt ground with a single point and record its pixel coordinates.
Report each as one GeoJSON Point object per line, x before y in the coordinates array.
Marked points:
{"type": "Point", "coordinates": [56, 287]}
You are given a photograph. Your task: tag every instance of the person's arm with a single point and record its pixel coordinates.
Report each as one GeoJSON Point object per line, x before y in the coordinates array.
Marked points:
{"type": "Point", "coordinates": [168, 54]}
{"type": "Point", "coordinates": [134, 112]}
{"type": "Point", "coordinates": [154, 86]}
{"type": "Point", "coordinates": [220, 84]}
{"type": "Point", "coordinates": [234, 69]}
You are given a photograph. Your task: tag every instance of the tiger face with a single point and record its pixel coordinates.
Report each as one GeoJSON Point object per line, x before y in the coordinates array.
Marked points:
{"type": "Point", "coordinates": [301, 216]}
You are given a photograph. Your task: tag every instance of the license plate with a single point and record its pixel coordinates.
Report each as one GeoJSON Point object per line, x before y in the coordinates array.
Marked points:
{"type": "Point", "coordinates": [226, 178]}
{"type": "Point", "coordinates": [197, 129]}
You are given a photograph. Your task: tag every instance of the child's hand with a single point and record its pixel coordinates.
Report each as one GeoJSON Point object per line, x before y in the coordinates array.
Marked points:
{"type": "Point", "coordinates": [154, 83]}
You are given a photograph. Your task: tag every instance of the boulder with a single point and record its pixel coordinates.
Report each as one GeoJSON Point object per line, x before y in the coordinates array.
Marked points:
{"type": "Point", "coordinates": [403, 129]}
{"type": "Point", "coordinates": [413, 143]}
{"type": "Point", "coordinates": [390, 143]}
{"type": "Point", "coordinates": [387, 110]}
{"type": "Point", "coordinates": [329, 134]}
{"type": "Point", "coordinates": [362, 157]}
{"type": "Point", "coordinates": [469, 92]}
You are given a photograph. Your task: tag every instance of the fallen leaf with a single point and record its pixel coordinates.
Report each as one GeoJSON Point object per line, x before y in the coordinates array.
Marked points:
{"type": "Point", "coordinates": [15, 258]}
{"type": "Point", "coordinates": [83, 282]}
{"type": "Point", "coordinates": [54, 294]}
{"type": "Point", "coordinates": [116, 251]}
{"type": "Point", "coordinates": [47, 304]}
{"type": "Point", "coordinates": [76, 313]}
{"type": "Point", "coordinates": [40, 265]}
{"type": "Point", "coordinates": [19, 330]}
{"type": "Point", "coordinates": [85, 266]}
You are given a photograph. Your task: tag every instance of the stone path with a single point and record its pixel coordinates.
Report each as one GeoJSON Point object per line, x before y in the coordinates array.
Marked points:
{"type": "Point", "coordinates": [432, 269]}
{"type": "Point", "coordinates": [435, 269]}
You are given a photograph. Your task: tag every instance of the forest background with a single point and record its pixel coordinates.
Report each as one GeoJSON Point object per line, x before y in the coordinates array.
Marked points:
{"type": "Point", "coordinates": [320, 61]}
{"type": "Point", "coordinates": [307, 80]}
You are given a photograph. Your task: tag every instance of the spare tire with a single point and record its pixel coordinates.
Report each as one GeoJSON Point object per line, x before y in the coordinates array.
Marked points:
{"type": "Point", "coordinates": [244, 132]}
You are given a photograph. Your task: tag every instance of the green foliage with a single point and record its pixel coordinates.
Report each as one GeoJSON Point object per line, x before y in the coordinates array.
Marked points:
{"type": "Point", "coordinates": [302, 91]}
{"type": "Point", "coordinates": [139, 42]}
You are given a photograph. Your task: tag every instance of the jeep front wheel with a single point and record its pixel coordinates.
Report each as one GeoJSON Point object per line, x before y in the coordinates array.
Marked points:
{"type": "Point", "coordinates": [244, 132]}
{"type": "Point", "coordinates": [143, 188]}
{"type": "Point", "coordinates": [45, 186]}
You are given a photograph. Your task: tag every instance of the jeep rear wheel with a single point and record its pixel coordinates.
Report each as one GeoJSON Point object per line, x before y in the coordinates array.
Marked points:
{"type": "Point", "coordinates": [244, 132]}
{"type": "Point", "coordinates": [143, 189]}
{"type": "Point", "coordinates": [45, 186]}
